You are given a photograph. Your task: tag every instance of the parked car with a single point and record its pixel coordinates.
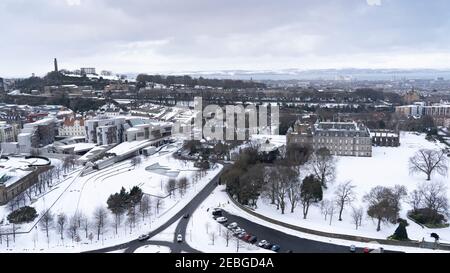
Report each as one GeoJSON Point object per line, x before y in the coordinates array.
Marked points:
{"type": "Point", "coordinates": [366, 250]}
{"type": "Point", "coordinates": [237, 231]}
{"type": "Point", "coordinates": [222, 219]}
{"type": "Point", "coordinates": [232, 225]}
{"type": "Point", "coordinates": [253, 239]}
{"type": "Point", "coordinates": [263, 243]}
{"type": "Point", "coordinates": [143, 237]}
{"type": "Point", "coordinates": [275, 248]}
{"type": "Point", "coordinates": [179, 238]}
{"type": "Point", "coordinates": [241, 235]}
{"type": "Point", "coordinates": [247, 237]}
{"type": "Point", "coordinates": [217, 212]}
{"type": "Point", "coordinates": [353, 248]}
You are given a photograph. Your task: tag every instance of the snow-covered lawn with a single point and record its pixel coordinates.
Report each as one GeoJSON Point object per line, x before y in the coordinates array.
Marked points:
{"type": "Point", "coordinates": [387, 167]}
{"type": "Point", "coordinates": [85, 194]}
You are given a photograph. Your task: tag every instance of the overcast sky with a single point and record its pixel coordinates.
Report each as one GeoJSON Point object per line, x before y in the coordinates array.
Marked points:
{"type": "Point", "coordinates": [188, 35]}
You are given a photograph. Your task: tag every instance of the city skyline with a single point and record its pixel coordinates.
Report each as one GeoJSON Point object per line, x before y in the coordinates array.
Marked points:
{"type": "Point", "coordinates": [154, 37]}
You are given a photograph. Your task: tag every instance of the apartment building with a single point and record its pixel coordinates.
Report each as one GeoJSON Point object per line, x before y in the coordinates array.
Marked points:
{"type": "Point", "coordinates": [72, 126]}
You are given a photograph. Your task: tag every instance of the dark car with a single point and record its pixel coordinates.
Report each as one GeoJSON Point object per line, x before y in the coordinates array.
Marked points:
{"type": "Point", "coordinates": [144, 237]}
{"type": "Point", "coordinates": [186, 216]}
{"type": "Point", "coordinates": [217, 212]}
{"type": "Point", "coordinates": [275, 248]}
{"type": "Point", "coordinates": [253, 239]}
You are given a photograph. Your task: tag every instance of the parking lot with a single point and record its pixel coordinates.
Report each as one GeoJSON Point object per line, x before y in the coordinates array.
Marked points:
{"type": "Point", "coordinates": [287, 243]}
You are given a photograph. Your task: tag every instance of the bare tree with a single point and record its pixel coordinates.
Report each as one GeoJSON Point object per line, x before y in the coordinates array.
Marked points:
{"type": "Point", "coordinates": [323, 205]}
{"type": "Point", "coordinates": [182, 185]}
{"type": "Point", "coordinates": [294, 189]}
{"type": "Point", "coordinates": [100, 220]}
{"type": "Point", "coordinates": [434, 197]}
{"type": "Point", "coordinates": [331, 211]}
{"type": "Point", "coordinates": [85, 224]}
{"type": "Point", "coordinates": [207, 227]}
{"type": "Point", "coordinates": [345, 195]}
{"type": "Point", "coordinates": [212, 236]}
{"type": "Point", "coordinates": [73, 227]}
{"type": "Point", "coordinates": [170, 186]}
{"type": "Point", "coordinates": [132, 217]}
{"type": "Point", "coordinates": [227, 235]}
{"type": "Point", "coordinates": [415, 199]}
{"type": "Point", "coordinates": [429, 161]}
{"type": "Point", "coordinates": [357, 215]}
{"type": "Point", "coordinates": [145, 207]}
{"type": "Point", "coordinates": [159, 204]}
{"type": "Point", "coordinates": [61, 221]}
{"type": "Point", "coordinates": [323, 165]}
{"type": "Point", "coordinates": [46, 221]}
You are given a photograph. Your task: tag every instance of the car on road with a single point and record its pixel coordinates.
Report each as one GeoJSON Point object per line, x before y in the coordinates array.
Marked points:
{"type": "Point", "coordinates": [179, 238]}
{"type": "Point", "coordinates": [275, 248]}
{"type": "Point", "coordinates": [143, 237]}
{"type": "Point", "coordinates": [238, 231]}
{"type": "Point", "coordinates": [263, 243]}
{"type": "Point", "coordinates": [247, 237]}
{"type": "Point", "coordinates": [253, 239]}
{"type": "Point", "coordinates": [366, 250]}
{"type": "Point", "coordinates": [353, 248]}
{"type": "Point", "coordinates": [241, 235]}
{"type": "Point", "coordinates": [232, 225]}
{"type": "Point", "coordinates": [222, 219]}
{"type": "Point", "coordinates": [186, 216]}
{"type": "Point", "coordinates": [217, 212]}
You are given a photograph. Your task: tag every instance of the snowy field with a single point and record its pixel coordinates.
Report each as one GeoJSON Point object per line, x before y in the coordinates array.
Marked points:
{"type": "Point", "coordinates": [387, 167]}
{"type": "Point", "coordinates": [85, 194]}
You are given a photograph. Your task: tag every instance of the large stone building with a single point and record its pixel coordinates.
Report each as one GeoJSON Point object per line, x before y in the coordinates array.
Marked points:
{"type": "Point", "coordinates": [340, 138]}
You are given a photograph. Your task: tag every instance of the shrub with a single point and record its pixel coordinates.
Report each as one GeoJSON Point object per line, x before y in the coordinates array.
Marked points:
{"type": "Point", "coordinates": [22, 215]}
{"type": "Point", "coordinates": [426, 216]}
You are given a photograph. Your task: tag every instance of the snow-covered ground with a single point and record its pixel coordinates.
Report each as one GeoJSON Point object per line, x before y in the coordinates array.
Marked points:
{"type": "Point", "coordinates": [85, 194]}
{"type": "Point", "coordinates": [387, 167]}
{"type": "Point", "coordinates": [220, 198]}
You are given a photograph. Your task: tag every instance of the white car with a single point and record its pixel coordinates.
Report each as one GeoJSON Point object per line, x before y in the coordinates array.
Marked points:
{"type": "Point", "coordinates": [221, 219]}
{"type": "Point", "coordinates": [179, 238]}
{"type": "Point", "coordinates": [263, 243]}
{"type": "Point", "coordinates": [232, 225]}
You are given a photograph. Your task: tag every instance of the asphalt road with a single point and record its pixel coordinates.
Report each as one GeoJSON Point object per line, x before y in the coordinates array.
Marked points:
{"type": "Point", "coordinates": [284, 240]}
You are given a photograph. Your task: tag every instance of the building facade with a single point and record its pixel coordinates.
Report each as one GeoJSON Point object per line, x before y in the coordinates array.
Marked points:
{"type": "Point", "coordinates": [37, 134]}
{"type": "Point", "coordinates": [385, 138]}
{"type": "Point", "coordinates": [72, 126]}
{"type": "Point", "coordinates": [8, 132]}
{"type": "Point", "coordinates": [340, 138]}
